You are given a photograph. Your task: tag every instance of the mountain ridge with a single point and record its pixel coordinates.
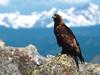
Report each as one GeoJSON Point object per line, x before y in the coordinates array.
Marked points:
{"type": "Point", "coordinates": [73, 17]}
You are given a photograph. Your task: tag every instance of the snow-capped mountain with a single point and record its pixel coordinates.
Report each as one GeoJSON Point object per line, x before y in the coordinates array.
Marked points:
{"type": "Point", "coordinates": [73, 17]}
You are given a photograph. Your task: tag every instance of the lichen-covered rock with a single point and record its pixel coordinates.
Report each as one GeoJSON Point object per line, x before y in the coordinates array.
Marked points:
{"type": "Point", "coordinates": [27, 61]}
{"type": "Point", "coordinates": [7, 67]}
{"type": "Point", "coordinates": [16, 61]}
{"type": "Point", "coordinates": [90, 69]}
{"type": "Point", "coordinates": [60, 65]}
{"type": "Point", "coordinates": [2, 44]}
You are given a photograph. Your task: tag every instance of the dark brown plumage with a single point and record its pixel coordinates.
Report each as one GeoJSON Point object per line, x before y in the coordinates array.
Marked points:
{"type": "Point", "coordinates": [66, 39]}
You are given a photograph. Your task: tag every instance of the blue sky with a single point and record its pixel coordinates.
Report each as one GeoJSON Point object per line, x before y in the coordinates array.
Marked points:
{"type": "Point", "coordinates": [40, 5]}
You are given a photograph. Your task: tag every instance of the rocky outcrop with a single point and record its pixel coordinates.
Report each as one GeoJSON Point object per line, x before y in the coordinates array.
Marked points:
{"type": "Point", "coordinates": [2, 44]}
{"type": "Point", "coordinates": [27, 61]}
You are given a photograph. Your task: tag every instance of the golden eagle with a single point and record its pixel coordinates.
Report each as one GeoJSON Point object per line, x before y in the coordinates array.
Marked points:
{"type": "Point", "coordinates": [66, 39]}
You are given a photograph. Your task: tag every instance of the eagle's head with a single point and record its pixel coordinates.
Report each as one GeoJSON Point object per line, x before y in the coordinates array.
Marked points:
{"type": "Point", "coordinates": [57, 19]}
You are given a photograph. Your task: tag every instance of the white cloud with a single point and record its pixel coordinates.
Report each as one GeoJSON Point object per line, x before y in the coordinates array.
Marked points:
{"type": "Point", "coordinates": [72, 17]}
{"type": "Point", "coordinates": [75, 1]}
{"type": "Point", "coordinates": [2, 23]}
{"type": "Point", "coordinates": [4, 2]}
{"type": "Point", "coordinates": [18, 20]}
{"type": "Point", "coordinates": [50, 25]}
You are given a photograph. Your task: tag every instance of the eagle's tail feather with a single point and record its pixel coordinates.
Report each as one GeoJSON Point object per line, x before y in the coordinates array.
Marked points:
{"type": "Point", "coordinates": [81, 57]}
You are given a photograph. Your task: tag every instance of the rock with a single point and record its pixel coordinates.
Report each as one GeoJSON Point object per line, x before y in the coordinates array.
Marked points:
{"type": "Point", "coordinates": [27, 61]}
{"type": "Point", "coordinates": [60, 65]}
{"type": "Point", "coordinates": [7, 67]}
{"type": "Point", "coordinates": [90, 69]}
{"type": "Point", "coordinates": [2, 44]}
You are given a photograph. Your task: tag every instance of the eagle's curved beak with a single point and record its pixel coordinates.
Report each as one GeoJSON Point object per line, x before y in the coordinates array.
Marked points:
{"type": "Point", "coordinates": [53, 16]}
